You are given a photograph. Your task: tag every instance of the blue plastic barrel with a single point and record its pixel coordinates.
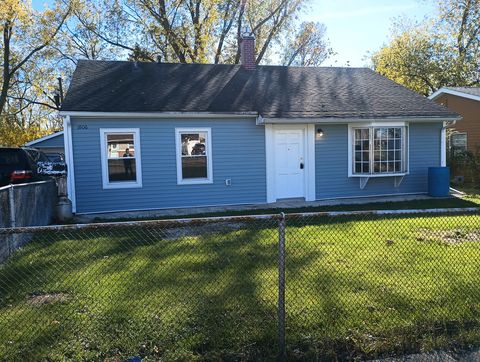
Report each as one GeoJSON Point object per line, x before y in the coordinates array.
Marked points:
{"type": "Point", "coordinates": [438, 181]}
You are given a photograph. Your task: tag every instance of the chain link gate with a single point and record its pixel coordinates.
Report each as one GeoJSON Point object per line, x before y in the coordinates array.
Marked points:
{"type": "Point", "coordinates": [318, 286]}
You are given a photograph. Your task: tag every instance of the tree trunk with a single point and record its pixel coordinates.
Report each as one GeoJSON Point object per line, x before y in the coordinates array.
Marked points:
{"type": "Point", "coordinates": [6, 76]}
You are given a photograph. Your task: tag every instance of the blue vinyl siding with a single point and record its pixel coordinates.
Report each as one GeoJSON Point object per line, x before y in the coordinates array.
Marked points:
{"type": "Point", "coordinates": [331, 163]}
{"type": "Point", "coordinates": [54, 142]}
{"type": "Point", "coordinates": [238, 153]}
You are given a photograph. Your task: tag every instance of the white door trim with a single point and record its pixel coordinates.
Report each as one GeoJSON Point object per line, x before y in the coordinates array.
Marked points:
{"type": "Point", "coordinates": [309, 152]}
{"type": "Point", "coordinates": [310, 191]}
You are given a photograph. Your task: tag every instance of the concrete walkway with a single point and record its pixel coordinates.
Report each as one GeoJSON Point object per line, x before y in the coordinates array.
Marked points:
{"type": "Point", "coordinates": [280, 205]}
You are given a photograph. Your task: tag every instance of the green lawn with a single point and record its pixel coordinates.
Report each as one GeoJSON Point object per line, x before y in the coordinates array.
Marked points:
{"type": "Point", "coordinates": [363, 287]}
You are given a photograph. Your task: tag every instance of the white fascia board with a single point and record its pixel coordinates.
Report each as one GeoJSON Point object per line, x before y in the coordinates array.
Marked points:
{"type": "Point", "coordinates": [44, 138]}
{"type": "Point", "coordinates": [259, 119]}
{"type": "Point", "coordinates": [156, 115]}
{"type": "Point", "coordinates": [441, 91]}
{"type": "Point", "coordinates": [356, 120]}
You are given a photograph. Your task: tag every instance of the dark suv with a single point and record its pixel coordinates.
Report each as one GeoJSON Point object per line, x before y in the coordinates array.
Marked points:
{"type": "Point", "coordinates": [19, 165]}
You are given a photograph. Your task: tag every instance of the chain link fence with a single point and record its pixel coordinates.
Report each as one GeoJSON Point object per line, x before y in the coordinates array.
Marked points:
{"type": "Point", "coordinates": [23, 205]}
{"type": "Point", "coordinates": [323, 286]}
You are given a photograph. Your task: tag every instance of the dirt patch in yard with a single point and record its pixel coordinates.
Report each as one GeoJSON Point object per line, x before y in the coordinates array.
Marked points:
{"type": "Point", "coordinates": [198, 230]}
{"type": "Point", "coordinates": [451, 237]}
{"type": "Point", "coordinates": [436, 356]}
{"type": "Point", "coordinates": [47, 298]}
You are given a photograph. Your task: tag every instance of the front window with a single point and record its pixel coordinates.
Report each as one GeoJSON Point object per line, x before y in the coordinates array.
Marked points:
{"type": "Point", "coordinates": [379, 150]}
{"type": "Point", "coordinates": [120, 158]}
{"type": "Point", "coordinates": [193, 156]}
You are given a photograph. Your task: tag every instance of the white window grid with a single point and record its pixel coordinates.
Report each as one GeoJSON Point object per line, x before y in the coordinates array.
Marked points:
{"type": "Point", "coordinates": [379, 150]}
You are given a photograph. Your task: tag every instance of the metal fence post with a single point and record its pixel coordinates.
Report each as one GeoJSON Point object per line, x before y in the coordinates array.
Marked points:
{"type": "Point", "coordinates": [13, 223]}
{"type": "Point", "coordinates": [281, 288]}
{"type": "Point", "coordinates": [11, 206]}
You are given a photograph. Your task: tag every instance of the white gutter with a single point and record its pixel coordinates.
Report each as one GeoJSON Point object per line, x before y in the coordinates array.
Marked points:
{"type": "Point", "coordinates": [443, 144]}
{"type": "Point", "coordinates": [330, 120]}
{"type": "Point", "coordinates": [157, 115]}
{"type": "Point", "coordinates": [259, 118]}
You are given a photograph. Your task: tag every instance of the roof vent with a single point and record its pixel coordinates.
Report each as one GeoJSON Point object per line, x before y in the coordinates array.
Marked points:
{"type": "Point", "coordinates": [136, 68]}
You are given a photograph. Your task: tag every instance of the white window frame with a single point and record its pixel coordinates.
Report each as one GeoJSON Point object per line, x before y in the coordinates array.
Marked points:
{"type": "Point", "coordinates": [104, 157]}
{"type": "Point", "coordinates": [178, 152]}
{"type": "Point", "coordinates": [351, 148]}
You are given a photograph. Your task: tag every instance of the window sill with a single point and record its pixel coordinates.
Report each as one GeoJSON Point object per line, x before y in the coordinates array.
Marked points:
{"type": "Point", "coordinates": [194, 182]}
{"type": "Point", "coordinates": [126, 185]}
{"type": "Point", "coordinates": [400, 174]}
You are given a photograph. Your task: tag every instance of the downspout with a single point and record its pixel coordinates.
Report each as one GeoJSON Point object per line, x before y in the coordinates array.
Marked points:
{"type": "Point", "coordinates": [67, 140]}
{"type": "Point", "coordinates": [443, 145]}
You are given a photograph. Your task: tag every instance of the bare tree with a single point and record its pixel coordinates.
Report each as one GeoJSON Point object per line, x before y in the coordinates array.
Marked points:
{"type": "Point", "coordinates": [190, 31]}
{"type": "Point", "coordinates": [308, 46]}
{"type": "Point", "coordinates": [25, 34]}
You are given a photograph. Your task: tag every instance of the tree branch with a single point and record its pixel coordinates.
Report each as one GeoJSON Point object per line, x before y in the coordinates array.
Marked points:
{"type": "Point", "coordinates": [40, 47]}
{"type": "Point", "coordinates": [31, 101]}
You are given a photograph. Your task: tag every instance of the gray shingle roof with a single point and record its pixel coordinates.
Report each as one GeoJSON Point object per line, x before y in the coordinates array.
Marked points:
{"type": "Point", "coordinates": [474, 91]}
{"type": "Point", "coordinates": [273, 91]}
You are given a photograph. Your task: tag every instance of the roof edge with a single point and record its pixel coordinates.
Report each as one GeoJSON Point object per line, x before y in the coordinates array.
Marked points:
{"type": "Point", "coordinates": [89, 114]}
{"type": "Point", "coordinates": [260, 119]}
{"type": "Point", "coordinates": [318, 120]}
{"type": "Point", "coordinates": [446, 90]}
{"type": "Point", "coordinates": [44, 138]}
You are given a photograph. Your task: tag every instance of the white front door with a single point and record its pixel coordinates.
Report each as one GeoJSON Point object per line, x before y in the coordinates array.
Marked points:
{"type": "Point", "coordinates": [289, 163]}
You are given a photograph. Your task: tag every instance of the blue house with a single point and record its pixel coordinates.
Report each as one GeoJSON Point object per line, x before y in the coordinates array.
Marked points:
{"type": "Point", "coordinates": [142, 136]}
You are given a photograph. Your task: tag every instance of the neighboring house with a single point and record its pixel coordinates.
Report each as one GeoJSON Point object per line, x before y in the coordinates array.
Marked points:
{"type": "Point", "coordinates": [203, 134]}
{"type": "Point", "coordinates": [466, 102]}
{"type": "Point", "coordinates": [52, 143]}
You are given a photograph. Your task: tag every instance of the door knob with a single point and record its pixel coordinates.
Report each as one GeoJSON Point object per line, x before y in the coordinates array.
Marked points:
{"type": "Point", "coordinates": [301, 166]}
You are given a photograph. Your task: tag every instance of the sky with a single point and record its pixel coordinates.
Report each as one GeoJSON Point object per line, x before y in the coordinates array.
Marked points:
{"type": "Point", "coordinates": [354, 27]}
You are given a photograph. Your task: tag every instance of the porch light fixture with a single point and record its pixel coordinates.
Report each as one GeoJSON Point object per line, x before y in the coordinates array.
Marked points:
{"type": "Point", "coordinates": [319, 132]}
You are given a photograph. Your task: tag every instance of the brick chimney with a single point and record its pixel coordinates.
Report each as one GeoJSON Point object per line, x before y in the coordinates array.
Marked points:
{"type": "Point", "coordinates": [247, 50]}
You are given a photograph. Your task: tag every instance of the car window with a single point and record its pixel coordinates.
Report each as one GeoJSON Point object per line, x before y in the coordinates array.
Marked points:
{"type": "Point", "coordinates": [37, 156]}
{"type": "Point", "coordinates": [10, 157]}
{"type": "Point", "coordinates": [32, 155]}
{"type": "Point", "coordinates": [55, 157]}
{"type": "Point", "coordinates": [43, 157]}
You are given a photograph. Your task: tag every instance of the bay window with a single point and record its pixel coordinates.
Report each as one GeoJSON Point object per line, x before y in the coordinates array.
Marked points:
{"type": "Point", "coordinates": [378, 150]}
